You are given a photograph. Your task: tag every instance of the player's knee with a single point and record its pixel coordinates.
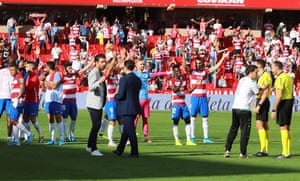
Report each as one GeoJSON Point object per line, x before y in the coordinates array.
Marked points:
{"type": "Point", "coordinates": [112, 122]}
{"type": "Point", "coordinates": [175, 121]}
{"type": "Point", "coordinates": [187, 120]}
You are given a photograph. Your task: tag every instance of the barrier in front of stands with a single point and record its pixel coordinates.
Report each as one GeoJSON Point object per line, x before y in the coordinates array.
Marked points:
{"type": "Point", "coordinates": [216, 101]}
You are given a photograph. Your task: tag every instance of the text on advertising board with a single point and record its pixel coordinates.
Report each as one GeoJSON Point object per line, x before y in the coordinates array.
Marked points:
{"type": "Point", "coordinates": [221, 2]}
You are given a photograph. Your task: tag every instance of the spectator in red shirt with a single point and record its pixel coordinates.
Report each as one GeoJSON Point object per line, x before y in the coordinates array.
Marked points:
{"type": "Point", "coordinates": [174, 32]}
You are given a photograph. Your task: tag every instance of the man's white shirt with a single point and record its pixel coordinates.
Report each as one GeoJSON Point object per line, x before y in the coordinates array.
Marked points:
{"type": "Point", "coordinates": [244, 94]}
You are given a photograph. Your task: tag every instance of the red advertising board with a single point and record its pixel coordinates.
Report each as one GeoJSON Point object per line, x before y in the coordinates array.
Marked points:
{"type": "Point", "coordinates": [244, 4]}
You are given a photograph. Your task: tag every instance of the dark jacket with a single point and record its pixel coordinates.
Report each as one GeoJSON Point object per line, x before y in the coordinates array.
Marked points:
{"type": "Point", "coordinates": [128, 95]}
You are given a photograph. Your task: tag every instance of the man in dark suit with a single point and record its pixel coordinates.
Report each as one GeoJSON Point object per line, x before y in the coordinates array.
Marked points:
{"type": "Point", "coordinates": [128, 107]}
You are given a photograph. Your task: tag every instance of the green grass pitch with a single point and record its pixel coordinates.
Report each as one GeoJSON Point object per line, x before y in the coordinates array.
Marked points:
{"type": "Point", "coordinates": [160, 160]}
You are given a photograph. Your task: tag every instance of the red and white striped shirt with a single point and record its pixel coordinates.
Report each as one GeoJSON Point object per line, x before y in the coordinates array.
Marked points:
{"type": "Point", "coordinates": [72, 40]}
{"type": "Point", "coordinates": [165, 55]}
{"type": "Point", "coordinates": [157, 56]}
{"type": "Point", "coordinates": [73, 55]}
{"type": "Point", "coordinates": [134, 52]}
{"type": "Point", "coordinates": [76, 30]}
{"type": "Point", "coordinates": [285, 54]}
{"type": "Point", "coordinates": [130, 36]}
{"type": "Point", "coordinates": [106, 33]}
{"type": "Point", "coordinates": [202, 27]}
{"type": "Point", "coordinates": [178, 43]}
{"type": "Point", "coordinates": [69, 87]}
{"type": "Point", "coordinates": [192, 33]}
{"type": "Point", "coordinates": [195, 76]}
{"type": "Point", "coordinates": [237, 44]}
{"type": "Point", "coordinates": [111, 86]}
{"type": "Point", "coordinates": [238, 63]}
{"type": "Point", "coordinates": [196, 42]}
{"type": "Point", "coordinates": [178, 98]}
{"type": "Point", "coordinates": [16, 84]}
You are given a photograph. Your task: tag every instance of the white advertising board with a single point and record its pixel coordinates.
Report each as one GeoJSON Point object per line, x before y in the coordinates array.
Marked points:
{"type": "Point", "coordinates": [215, 102]}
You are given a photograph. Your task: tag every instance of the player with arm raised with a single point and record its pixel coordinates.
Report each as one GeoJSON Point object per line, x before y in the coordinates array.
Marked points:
{"type": "Point", "coordinates": [199, 102]}
{"type": "Point", "coordinates": [143, 95]}
{"type": "Point", "coordinates": [203, 24]}
{"type": "Point", "coordinates": [69, 105]}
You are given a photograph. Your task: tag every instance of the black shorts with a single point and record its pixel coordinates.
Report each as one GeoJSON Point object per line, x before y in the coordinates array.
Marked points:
{"type": "Point", "coordinates": [263, 114]}
{"type": "Point", "coordinates": [284, 112]}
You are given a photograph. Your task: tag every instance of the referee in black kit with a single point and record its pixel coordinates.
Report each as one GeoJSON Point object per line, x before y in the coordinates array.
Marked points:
{"type": "Point", "coordinates": [283, 106]}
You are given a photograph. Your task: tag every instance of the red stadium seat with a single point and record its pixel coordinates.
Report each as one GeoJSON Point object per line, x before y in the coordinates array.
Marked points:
{"type": "Point", "coordinates": [228, 76]}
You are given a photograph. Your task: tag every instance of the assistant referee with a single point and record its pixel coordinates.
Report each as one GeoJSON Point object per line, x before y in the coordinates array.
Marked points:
{"type": "Point", "coordinates": [263, 107]}
{"type": "Point", "coordinates": [283, 106]}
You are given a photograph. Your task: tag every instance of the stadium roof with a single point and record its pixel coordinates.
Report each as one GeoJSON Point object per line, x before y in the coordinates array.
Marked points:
{"type": "Point", "coordinates": [242, 4]}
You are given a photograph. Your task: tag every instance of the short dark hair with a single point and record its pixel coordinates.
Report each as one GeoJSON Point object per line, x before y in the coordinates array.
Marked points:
{"type": "Point", "coordinates": [51, 65]}
{"type": "Point", "coordinates": [31, 62]}
{"type": "Point", "coordinates": [250, 68]}
{"type": "Point", "coordinates": [278, 64]}
{"type": "Point", "coordinates": [261, 62]}
{"type": "Point", "coordinates": [129, 64]}
{"type": "Point", "coordinates": [12, 63]}
{"type": "Point", "coordinates": [67, 64]}
{"type": "Point", "coordinates": [175, 66]}
{"type": "Point", "coordinates": [99, 56]}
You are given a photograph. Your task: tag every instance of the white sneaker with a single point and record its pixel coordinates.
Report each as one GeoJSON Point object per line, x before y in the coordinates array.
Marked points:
{"type": "Point", "coordinates": [96, 153]}
{"type": "Point", "coordinates": [227, 154]}
{"type": "Point", "coordinates": [112, 144]}
{"type": "Point", "coordinates": [88, 149]}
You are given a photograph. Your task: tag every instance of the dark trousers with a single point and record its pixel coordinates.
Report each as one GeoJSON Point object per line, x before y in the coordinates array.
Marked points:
{"type": "Point", "coordinates": [129, 132]}
{"type": "Point", "coordinates": [242, 119]}
{"type": "Point", "coordinates": [96, 116]}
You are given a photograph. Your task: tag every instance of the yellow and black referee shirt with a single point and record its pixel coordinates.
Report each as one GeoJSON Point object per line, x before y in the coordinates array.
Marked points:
{"type": "Point", "coordinates": [285, 83]}
{"type": "Point", "coordinates": [264, 79]}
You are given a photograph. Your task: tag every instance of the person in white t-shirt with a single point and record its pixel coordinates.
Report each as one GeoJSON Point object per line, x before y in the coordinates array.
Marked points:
{"type": "Point", "coordinates": [217, 25]}
{"type": "Point", "coordinates": [293, 35]}
{"type": "Point", "coordinates": [77, 64]}
{"type": "Point", "coordinates": [55, 52]}
{"type": "Point", "coordinates": [241, 111]}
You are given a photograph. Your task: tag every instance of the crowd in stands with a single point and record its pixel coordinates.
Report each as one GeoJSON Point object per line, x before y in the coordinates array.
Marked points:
{"type": "Point", "coordinates": [78, 42]}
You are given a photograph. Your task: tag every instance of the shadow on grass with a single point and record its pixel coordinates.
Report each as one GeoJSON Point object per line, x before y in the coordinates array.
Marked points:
{"type": "Point", "coordinates": [70, 162]}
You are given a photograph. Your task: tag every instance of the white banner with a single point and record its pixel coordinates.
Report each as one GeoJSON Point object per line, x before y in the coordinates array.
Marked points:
{"type": "Point", "coordinates": [215, 102]}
